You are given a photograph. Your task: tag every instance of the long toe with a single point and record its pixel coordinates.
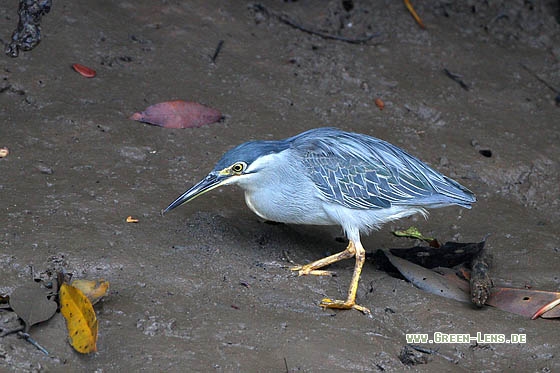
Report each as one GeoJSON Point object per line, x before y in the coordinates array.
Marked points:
{"type": "Point", "coordinates": [306, 270]}
{"type": "Point", "coordinates": [343, 305]}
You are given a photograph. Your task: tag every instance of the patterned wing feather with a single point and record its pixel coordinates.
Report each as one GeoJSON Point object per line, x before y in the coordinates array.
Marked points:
{"type": "Point", "coordinates": [362, 172]}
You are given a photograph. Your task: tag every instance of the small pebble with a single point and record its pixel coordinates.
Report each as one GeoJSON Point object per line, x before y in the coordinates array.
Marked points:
{"type": "Point", "coordinates": [45, 169]}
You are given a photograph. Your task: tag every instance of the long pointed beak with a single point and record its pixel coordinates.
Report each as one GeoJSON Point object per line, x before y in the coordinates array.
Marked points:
{"type": "Point", "coordinates": [205, 185]}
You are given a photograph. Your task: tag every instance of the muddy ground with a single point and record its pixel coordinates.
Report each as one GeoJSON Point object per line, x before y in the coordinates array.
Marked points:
{"type": "Point", "coordinates": [207, 287]}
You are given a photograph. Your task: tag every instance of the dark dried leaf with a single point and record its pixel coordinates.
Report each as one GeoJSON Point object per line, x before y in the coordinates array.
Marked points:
{"type": "Point", "coordinates": [449, 255]}
{"type": "Point", "coordinates": [31, 304]}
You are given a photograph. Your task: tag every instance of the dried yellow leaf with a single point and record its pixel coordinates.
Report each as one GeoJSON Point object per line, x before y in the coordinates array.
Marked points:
{"type": "Point", "coordinates": [80, 319]}
{"type": "Point", "coordinates": [93, 289]}
{"type": "Point", "coordinates": [130, 219]}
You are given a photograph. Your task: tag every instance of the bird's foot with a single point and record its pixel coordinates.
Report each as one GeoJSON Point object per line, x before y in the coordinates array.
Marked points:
{"type": "Point", "coordinates": [308, 270]}
{"type": "Point", "coordinates": [344, 305]}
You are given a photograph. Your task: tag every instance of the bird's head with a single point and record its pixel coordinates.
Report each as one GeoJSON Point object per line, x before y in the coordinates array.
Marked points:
{"type": "Point", "coordinates": [237, 166]}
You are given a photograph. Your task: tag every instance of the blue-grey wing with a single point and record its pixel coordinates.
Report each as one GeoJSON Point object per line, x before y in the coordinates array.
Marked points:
{"type": "Point", "coordinates": [356, 184]}
{"type": "Point", "coordinates": [362, 172]}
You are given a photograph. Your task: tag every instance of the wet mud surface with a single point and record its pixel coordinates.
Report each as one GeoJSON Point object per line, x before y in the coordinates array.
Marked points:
{"type": "Point", "coordinates": [208, 286]}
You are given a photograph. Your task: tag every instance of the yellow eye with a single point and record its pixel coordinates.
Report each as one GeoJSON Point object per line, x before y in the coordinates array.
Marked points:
{"type": "Point", "coordinates": [238, 167]}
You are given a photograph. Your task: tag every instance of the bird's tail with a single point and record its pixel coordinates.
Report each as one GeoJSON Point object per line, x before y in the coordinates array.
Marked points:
{"type": "Point", "coordinates": [458, 194]}
{"type": "Point", "coordinates": [447, 192]}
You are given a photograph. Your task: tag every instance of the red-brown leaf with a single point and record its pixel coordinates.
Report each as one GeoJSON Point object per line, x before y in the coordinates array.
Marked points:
{"type": "Point", "coordinates": [84, 70]}
{"type": "Point", "coordinates": [178, 114]}
{"type": "Point", "coordinates": [524, 302]}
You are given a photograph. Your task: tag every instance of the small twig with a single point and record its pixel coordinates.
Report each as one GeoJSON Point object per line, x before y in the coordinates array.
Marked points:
{"type": "Point", "coordinates": [547, 84]}
{"type": "Point", "coordinates": [286, 365]}
{"type": "Point", "coordinates": [414, 14]}
{"type": "Point", "coordinates": [423, 350]}
{"type": "Point", "coordinates": [217, 51]}
{"type": "Point", "coordinates": [325, 35]}
{"type": "Point", "coordinates": [28, 338]}
{"type": "Point", "coordinates": [286, 20]}
{"type": "Point", "coordinates": [457, 78]}
{"type": "Point", "coordinates": [430, 352]}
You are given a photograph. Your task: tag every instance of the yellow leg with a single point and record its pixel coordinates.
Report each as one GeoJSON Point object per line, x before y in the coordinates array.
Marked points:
{"type": "Point", "coordinates": [353, 249]}
{"type": "Point", "coordinates": [312, 268]}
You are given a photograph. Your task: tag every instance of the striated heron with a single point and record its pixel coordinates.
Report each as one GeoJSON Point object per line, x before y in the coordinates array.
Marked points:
{"type": "Point", "coordinates": [326, 176]}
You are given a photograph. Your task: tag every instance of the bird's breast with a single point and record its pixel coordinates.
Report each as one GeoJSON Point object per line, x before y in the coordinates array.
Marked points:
{"type": "Point", "coordinates": [287, 209]}
{"type": "Point", "coordinates": [253, 208]}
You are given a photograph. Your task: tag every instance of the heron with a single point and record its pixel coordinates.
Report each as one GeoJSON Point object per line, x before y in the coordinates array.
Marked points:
{"type": "Point", "coordinates": [326, 176]}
